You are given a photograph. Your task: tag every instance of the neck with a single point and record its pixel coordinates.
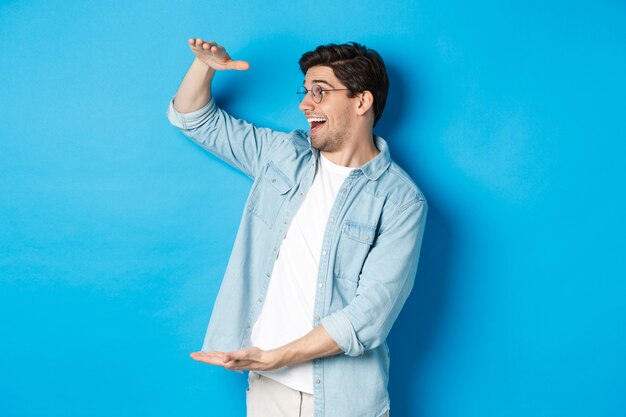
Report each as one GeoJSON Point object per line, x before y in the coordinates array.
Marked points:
{"type": "Point", "coordinates": [355, 152]}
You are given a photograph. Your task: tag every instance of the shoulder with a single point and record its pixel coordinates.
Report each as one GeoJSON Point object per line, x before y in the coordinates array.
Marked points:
{"type": "Point", "coordinates": [299, 138]}
{"type": "Point", "coordinates": [289, 150]}
{"type": "Point", "coordinates": [398, 188]}
{"type": "Point", "coordinates": [296, 141]}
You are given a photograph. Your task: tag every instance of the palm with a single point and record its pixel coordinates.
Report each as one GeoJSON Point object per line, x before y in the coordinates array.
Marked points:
{"type": "Point", "coordinates": [215, 55]}
{"type": "Point", "coordinates": [251, 358]}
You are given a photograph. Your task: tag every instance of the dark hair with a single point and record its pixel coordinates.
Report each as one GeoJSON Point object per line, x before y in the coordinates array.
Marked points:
{"type": "Point", "coordinates": [357, 67]}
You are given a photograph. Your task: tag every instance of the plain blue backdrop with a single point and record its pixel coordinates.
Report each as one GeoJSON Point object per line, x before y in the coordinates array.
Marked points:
{"type": "Point", "coordinates": [115, 230]}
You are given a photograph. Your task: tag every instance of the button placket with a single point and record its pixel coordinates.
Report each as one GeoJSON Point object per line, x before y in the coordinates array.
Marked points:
{"type": "Point", "coordinates": [324, 273]}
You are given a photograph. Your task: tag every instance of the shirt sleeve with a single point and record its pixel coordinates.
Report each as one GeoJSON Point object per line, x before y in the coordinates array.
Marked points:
{"type": "Point", "coordinates": [237, 142]}
{"type": "Point", "coordinates": [385, 282]}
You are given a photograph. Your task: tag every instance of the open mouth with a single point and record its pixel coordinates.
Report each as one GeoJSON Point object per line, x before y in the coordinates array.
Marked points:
{"type": "Point", "coordinates": [316, 123]}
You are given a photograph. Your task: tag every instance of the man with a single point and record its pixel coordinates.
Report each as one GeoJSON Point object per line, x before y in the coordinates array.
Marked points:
{"type": "Point", "coordinates": [328, 244]}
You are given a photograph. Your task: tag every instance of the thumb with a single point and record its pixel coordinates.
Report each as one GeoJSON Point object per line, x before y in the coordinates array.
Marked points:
{"type": "Point", "coordinates": [237, 355]}
{"type": "Point", "coordinates": [238, 65]}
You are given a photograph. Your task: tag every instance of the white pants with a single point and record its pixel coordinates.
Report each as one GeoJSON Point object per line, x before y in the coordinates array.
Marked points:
{"type": "Point", "coordinates": [268, 398]}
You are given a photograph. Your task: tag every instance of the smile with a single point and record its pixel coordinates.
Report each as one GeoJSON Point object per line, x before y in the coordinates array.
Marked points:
{"type": "Point", "coordinates": [315, 123]}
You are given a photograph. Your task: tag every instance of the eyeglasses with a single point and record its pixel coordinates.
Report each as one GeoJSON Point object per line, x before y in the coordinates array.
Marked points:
{"type": "Point", "coordinates": [317, 92]}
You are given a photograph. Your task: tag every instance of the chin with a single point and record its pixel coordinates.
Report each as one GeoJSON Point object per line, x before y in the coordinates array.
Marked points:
{"type": "Point", "coordinates": [320, 146]}
{"type": "Point", "coordinates": [316, 143]}
{"type": "Point", "coordinates": [325, 144]}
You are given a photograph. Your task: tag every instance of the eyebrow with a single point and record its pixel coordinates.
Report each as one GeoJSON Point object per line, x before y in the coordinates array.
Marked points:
{"type": "Point", "coordinates": [321, 82]}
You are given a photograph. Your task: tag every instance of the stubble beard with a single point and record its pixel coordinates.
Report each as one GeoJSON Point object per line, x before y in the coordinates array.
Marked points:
{"type": "Point", "coordinates": [328, 142]}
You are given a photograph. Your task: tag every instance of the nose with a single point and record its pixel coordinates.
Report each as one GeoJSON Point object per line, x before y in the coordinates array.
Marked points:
{"type": "Point", "coordinates": [307, 103]}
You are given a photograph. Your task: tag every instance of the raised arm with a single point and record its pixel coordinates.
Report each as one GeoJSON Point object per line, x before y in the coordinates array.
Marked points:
{"type": "Point", "coordinates": [235, 141]}
{"type": "Point", "coordinates": [195, 89]}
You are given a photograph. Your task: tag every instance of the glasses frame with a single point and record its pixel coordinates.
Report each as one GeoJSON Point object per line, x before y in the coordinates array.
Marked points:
{"type": "Point", "coordinates": [316, 96]}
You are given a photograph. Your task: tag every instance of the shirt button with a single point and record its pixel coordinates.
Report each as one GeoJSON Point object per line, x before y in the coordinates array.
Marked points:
{"type": "Point", "coordinates": [343, 190]}
{"type": "Point", "coordinates": [323, 253]}
{"type": "Point", "coordinates": [317, 381]}
{"type": "Point", "coordinates": [320, 285]}
{"type": "Point", "coordinates": [317, 318]}
{"type": "Point", "coordinates": [332, 219]}
{"type": "Point", "coordinates": [267, 275]}
{"type": "Point", "coordinates": [366, 237]}
{"type": "Point", "coordinates": [260, 300]}
{"type": "Point", "coordinates": [300, 193]}
{"type": "Point", "coordinates": [273, 179]}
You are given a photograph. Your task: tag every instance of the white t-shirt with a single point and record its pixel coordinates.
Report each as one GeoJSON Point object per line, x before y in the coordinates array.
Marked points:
{"type": "Point", "coordinates": [287, 313]}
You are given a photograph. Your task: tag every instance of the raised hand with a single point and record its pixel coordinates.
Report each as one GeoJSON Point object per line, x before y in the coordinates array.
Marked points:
{"type": "Point", "coordinates": [250, 358]}
{"type": "Point", "coordinates": [315, 344]}
{"type": "Point", "coordinates": [215, 56]}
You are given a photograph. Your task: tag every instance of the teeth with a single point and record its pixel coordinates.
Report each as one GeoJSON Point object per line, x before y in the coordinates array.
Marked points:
{"type": "Point", "coordinates": [315, 119]}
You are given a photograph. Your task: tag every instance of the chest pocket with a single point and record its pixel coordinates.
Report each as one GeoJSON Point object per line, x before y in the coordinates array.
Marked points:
{"type": "Point", "coordinates": [269, 194]}
{"type": "Point", "coordinates": [354, 244]}
{"type": "Point", "coordinates": [360, 232]}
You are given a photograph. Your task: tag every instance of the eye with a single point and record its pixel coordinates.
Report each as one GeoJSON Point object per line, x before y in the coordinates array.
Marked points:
{"type": "Point", "coordinates": [316, 90]}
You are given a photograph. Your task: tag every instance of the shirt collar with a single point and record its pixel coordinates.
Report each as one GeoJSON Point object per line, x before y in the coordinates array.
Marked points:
{"type": "Point", "coordinates": [375, 167]}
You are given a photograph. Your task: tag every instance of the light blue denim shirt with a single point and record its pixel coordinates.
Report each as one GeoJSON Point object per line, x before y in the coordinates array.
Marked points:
{"type": "Point", "coordinates": [368, 263]}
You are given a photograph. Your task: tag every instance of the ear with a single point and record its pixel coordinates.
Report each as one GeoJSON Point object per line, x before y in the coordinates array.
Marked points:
{"type": "Point", "coordinates": [365, 102]}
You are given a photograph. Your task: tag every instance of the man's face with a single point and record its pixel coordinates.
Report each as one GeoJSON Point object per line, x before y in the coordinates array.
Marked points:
{"type": "Point", "coordinates": [331, 119]}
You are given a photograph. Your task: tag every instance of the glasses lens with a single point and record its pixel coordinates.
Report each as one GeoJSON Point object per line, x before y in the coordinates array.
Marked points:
{"type": "Point", "coordinates": [316, 92]}
{"type": "Point", "coordinates": [301, 92]}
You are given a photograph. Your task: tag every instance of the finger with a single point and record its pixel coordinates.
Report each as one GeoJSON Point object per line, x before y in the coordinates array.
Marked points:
{"type": "Point", "coordinates": [214, 358]}
{"type": "Point", "coordinates": [211, 354]}
{"type": "Point", "coordinates": [235, 366]}
{"type": "Point", "coordinates": [232, 356]}
{"type": "Point", "coordinates": [217, 51]}
{"type": "Point", "coordinates": [237, 65]}
{"type": "Point", "coordinates": [239, 355]}
{"type": "Point", "coordinates": [241, 359]}
{"type": "Point", "coordinates": [200, 356]}
{"type": "Point", "coordinates": [240, 365]}
{"type": "Point", "coordinates": [195, 43]}
{"type": "Point", "coordinates": [206, 45]}
{"type": "Point", "coordinates": [199, 43]}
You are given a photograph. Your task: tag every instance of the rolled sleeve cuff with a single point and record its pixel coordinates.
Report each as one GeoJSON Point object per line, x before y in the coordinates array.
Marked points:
{"type": "Point", "coordinates": [193, 119]}
{"type": "Point", "coordinates": [341, 331]}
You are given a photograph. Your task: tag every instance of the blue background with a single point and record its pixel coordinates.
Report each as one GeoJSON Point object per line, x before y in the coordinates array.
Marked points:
{"type": "Point", "coordinates": [115, 230]}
